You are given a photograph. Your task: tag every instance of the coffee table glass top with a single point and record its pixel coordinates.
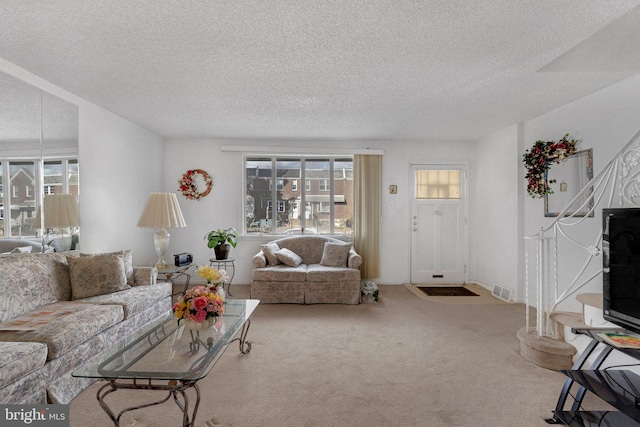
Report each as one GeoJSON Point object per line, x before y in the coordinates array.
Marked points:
{"type": "Point", "coordinates": [166, 350]}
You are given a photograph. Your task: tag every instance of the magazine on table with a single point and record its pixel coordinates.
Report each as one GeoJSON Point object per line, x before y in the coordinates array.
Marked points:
{"type": "Point", "coordinates": [622, 340]}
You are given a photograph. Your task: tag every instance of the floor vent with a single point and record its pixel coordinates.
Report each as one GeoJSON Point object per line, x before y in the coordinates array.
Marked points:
{"type": "Point", "coordinates": [502, 293]}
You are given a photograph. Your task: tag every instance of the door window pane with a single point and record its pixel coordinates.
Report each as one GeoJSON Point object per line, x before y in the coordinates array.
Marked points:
{"type": "Point", "coordinates": [438, 184]}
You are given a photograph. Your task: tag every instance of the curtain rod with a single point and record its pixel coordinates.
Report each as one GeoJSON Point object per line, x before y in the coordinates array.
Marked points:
{"type": "Point", "coordinates": [298, 150]}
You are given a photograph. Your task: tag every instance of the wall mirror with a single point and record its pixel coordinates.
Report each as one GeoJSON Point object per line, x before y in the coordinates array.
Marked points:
{"type": "Point", "coordinates": [38, 156]}
{"type": "Point", "coordinates": [566, 180]}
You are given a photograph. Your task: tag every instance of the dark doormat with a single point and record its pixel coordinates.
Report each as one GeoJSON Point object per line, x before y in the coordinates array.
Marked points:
{"type": "Point", "coordinates": [447, 291]}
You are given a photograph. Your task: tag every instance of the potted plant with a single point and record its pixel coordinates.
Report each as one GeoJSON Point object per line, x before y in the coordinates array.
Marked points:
{"type": "Point", "coordinates": [221, 241]}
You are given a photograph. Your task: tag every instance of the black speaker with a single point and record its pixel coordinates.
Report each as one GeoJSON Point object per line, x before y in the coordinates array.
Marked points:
{"type": "Point", "coordinates": [183, 259]}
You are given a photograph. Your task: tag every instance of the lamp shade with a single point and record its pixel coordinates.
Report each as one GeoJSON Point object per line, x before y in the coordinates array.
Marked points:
{"type": "Point", "coordinates": [162, 211]}
{"type": "Point", "coordinates": [60, 211]}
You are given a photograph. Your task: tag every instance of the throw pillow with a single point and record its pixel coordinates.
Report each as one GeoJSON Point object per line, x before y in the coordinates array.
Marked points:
{"type": "Point", "coordinates": [127, 258]}
{"type": "Point", "coordinates": [335, 254]}
{"type": "Point", "coordinates": [98, 274]}
{"type": "Point", "coordinates": [269, 250]}
{"type": "Point", "coordinates": [288, 257]}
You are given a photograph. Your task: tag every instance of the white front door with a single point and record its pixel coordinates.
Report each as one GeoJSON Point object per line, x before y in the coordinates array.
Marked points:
{"type": "Point", "coordinates": [438, 224]}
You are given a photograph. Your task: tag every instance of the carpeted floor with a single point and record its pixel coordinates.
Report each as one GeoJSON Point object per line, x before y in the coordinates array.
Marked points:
{"type": "Point", "coordinates": [405, 361]}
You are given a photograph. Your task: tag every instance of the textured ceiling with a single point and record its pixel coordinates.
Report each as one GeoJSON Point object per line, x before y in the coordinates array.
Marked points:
{"type": "Point", "coordinates": [360, 69]}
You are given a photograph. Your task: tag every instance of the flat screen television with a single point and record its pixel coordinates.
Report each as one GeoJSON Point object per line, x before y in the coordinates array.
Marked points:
{"type": "Point", "coordinates": [621, 267]}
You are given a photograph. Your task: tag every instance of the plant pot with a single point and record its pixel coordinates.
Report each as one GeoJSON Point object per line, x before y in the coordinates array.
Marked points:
{"type": "Point", "coordinates": [222, 251]}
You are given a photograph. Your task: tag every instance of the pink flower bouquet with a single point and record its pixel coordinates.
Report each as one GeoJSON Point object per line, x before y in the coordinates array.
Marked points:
{"type": "Point", "coordinates": [199, 304]}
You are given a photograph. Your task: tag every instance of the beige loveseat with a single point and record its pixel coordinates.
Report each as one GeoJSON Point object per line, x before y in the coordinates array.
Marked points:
{"type": "Point", "coordinates": [78, 306]}
{"type": "Point", "coordinates": [321, 270]}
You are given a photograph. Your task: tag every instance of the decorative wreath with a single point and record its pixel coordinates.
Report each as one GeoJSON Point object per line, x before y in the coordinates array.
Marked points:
{"type": "Point", "coordinates": [188, 184]}
{"type": "Point", "coordinates": [538, 160]}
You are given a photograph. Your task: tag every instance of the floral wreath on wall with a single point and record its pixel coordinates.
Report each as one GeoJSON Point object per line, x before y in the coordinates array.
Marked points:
{"type": "Point", "coordinates": [188, 186]}
{"type": "Point", "coordinates": [539, 159]}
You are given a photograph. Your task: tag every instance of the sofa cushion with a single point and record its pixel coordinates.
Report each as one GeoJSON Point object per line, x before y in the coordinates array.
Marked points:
{"type": "Point", "coordinates": [20, 359]}
{"type": "Point", "coordinates": [136, 299]}
{"type": "Point", "coordinates": [143, 276]}
{"type": "Point", "coordinates": [321, 273]}
{"type": "Point", "coordinates": [269, 250]}
{"type": "Point", "coordinates": [30, 281]}
{"type": "Point", "coordinates": [8, 244]}
{"type": "Point", "coordinates": [127, 259]}
{"type": "Point", "coordinates": [96, 275]}
{"type": "Point", "coordinates": [335, 254]}
{"type": "Point", "coordinates": [288, 257]}
{"type": "Point", "coordinates": [62, 326]}
{"type": "Point", "coordinates": [281, 273]}
{"type": "Point", "coordinates": [22, 250]}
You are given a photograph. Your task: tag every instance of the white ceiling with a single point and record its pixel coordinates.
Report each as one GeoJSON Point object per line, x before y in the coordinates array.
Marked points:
{"type": "Point", "coordinates": [357, 69]}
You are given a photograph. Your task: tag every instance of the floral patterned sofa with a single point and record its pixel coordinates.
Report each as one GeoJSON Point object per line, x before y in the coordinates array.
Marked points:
{"type": "Point", "coordinates": [306, 270]}
{"type": "Point", "coordinates": [58, 310]}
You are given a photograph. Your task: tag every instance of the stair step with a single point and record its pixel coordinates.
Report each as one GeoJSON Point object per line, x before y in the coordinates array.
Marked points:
{"type": "Point", "coordinates": [545, 352]}
{"type": "Point", "coordinates": [568, 318]}
{"type": "Point", "coordinates": [592, 299]}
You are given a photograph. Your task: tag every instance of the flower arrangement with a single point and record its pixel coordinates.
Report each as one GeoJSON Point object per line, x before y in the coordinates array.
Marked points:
{"type": "Point", "coordinates": [212, 275]}
{"type": "Point", "coordinates": [201, 303]}
{"type": "Point", "coordinates": [539, 158]}
{"type": "Point", "coordinates": [188, 186]}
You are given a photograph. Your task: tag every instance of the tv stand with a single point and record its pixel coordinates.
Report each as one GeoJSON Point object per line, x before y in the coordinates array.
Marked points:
{"type": "Point", "coordinates": [619, 388]}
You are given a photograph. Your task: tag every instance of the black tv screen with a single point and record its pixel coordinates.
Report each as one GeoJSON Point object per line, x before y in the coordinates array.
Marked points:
{"type": "Point", "coordinates": [621, 267]}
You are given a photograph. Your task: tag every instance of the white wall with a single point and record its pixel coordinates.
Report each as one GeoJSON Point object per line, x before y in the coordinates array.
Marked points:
{"type": "Point", "coordinates": [495, 247]}
{"type": "Point", "coordinates": [604, 121]}
{"type": "Point", "coordinates": [120, 163]}
{"type": "Point", "coordinates": [222, 208]}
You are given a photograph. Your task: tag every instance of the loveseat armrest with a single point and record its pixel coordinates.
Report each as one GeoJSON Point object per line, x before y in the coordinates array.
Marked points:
{"type": "Point", "coordinates": [259, 260]}
{"type": "Point", "coordinates": [145, 276]}
{"type": "Point", "coordinates": [354, 260]}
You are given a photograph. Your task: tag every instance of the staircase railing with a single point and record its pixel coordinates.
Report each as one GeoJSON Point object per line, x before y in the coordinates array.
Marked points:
{"type": "Point", "coordinates": [616, 185]}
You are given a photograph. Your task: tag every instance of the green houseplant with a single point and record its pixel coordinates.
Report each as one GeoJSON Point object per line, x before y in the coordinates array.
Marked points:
{"type": "Point", "coordinates": [221, 241]}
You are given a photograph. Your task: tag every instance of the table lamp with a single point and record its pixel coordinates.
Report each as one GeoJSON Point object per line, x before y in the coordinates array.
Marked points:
{"type": "Point", "coordinates": [60, 211]}
{"type": "Point", "coordinates": [161, 212]}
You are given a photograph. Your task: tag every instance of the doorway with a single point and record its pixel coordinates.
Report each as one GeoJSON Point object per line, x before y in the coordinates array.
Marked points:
{"type": "Point", "coordinates": [439, 224]}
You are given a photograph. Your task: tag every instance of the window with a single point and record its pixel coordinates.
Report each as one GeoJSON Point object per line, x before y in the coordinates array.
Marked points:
{"type": "Point", "coordinates": [438, 184]}
{"type": "Point", "coordinates": [328, 205]}
{"type": "Point", "coordinates": [60, 176]}
{"type": "Point", "coordinates": [280, 205]}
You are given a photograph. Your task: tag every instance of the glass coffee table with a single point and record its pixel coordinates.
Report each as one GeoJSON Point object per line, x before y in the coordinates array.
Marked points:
{"type": "Point", "coordinates": [166, 356]}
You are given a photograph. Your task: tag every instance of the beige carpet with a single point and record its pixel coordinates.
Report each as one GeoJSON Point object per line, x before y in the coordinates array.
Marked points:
{"type": "Point", "coordinates": [404, 361]}
{"type": "Point", "coordinates": [484, 296]}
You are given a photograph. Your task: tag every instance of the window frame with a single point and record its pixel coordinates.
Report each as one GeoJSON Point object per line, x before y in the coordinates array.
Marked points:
{"type": "Point", "coordinates": [37, 189]}
{"type": "Point", "coordinates": [302, 204]}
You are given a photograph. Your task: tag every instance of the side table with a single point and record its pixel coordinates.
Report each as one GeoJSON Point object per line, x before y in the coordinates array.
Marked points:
{"type": "Point", "coordinates": [224, 263]}
{"type": "Point", "coordinates": [173, 272]}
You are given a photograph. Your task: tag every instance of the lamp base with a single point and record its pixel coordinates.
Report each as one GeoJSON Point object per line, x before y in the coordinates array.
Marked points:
{"type": "Point", "coordinates": [161, 264]}
{"type": "Point", "coordinates": [161, 242]}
